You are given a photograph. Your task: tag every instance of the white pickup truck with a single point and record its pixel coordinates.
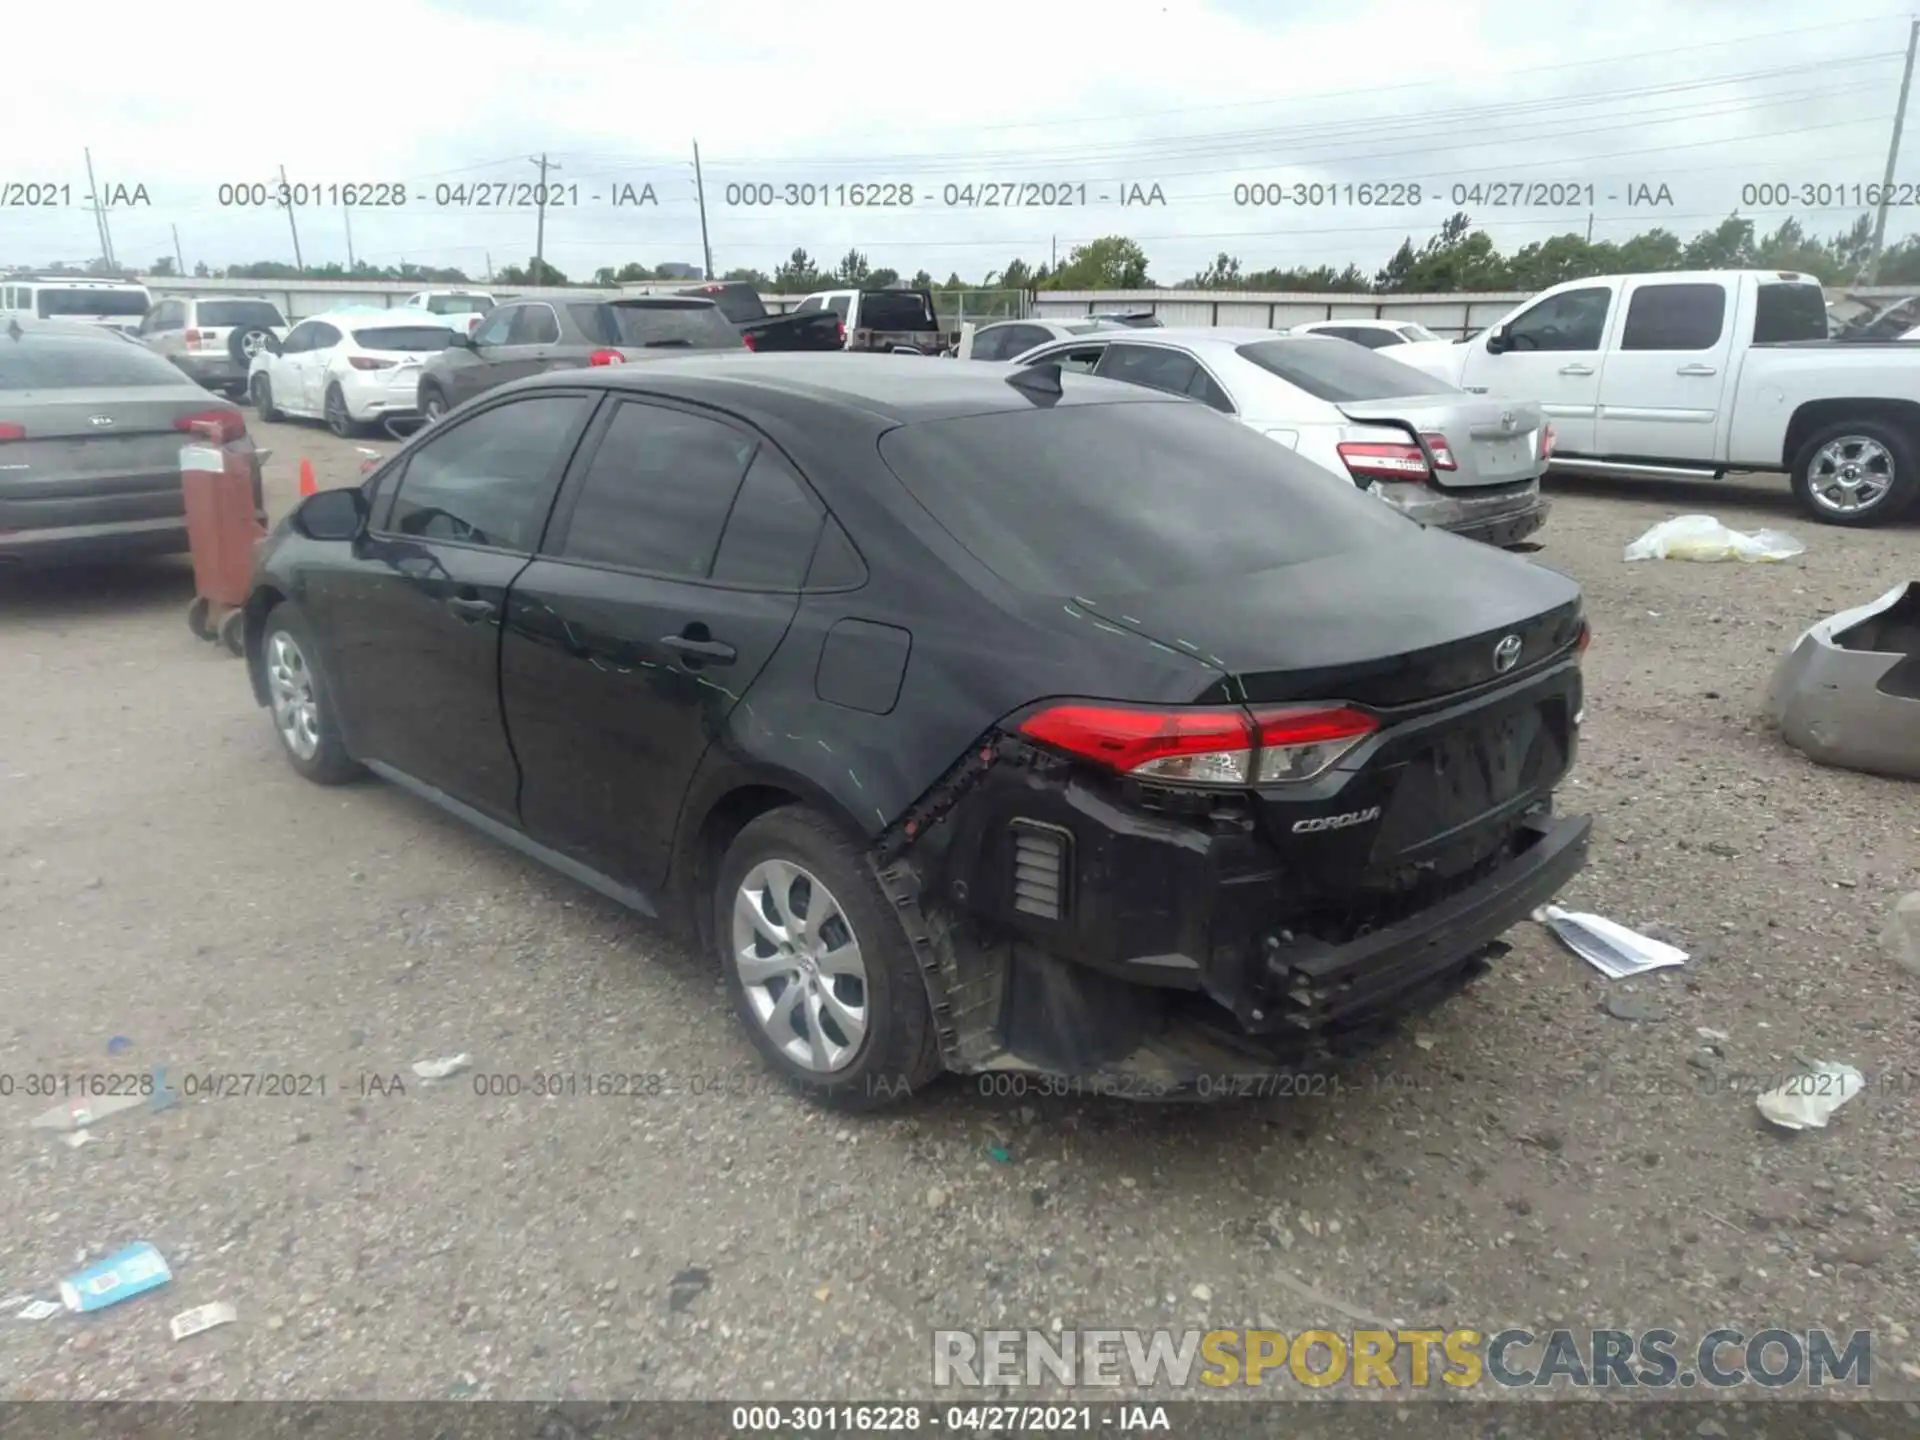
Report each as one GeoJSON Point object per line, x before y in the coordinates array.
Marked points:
{"type": "Point", "coordinates": [1692, 374]}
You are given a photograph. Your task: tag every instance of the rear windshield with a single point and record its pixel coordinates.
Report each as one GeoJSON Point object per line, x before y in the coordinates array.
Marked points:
{"type": "Point", "coordinates": [1789, 312]}
{"type": "Point", "coordinates": [739, 303]}
{"type": "Point", "coordinates": [92, 302]}
{"type": "Point", "coordinates": [1337, 372]}
{"type": "Point", "coordinates": [46, 362]}
{"type": "Point", "coordinates": [240, 312]}
{"type": "Point", "coordinates": [1106, 500]}
{"type": "Point", "coordinates": [896, 310]}
{"type": "Point", "coordinates": [458, 305]}
{"type": "Point", "coordinates": [663, 324]}
{"type": "Point", "coordinates": [400, 338]}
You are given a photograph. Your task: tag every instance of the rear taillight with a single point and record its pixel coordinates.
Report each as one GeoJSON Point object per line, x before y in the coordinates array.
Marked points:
{"type": "Point", "coordinates": [10, 431]}
{"type": "Point", "coordinates": [227, 425]}
{"type": "Point", "coordinates": [367, 362]}
{"type": "Point", "coordinates": [606, 357]}
{"type": "Point", "coordinates": [473, 323]}
{"type": "Point", "coordinates": [840, 331]}
{"type": "Point", "coordinates": [1384, 460]}
{"type": "Point", "coordinates": [1441, 451]}
{"type": "Point", "coordinates": [750, 342]}
{"type": "Point", "coordinates": [1204, 747]}
{"type": "Point", "coordinates": [1584, 639]}
{"type": "Point", "coordinates": [193, 337]}
{"type": "Point", "coordinates": [1547, 437]}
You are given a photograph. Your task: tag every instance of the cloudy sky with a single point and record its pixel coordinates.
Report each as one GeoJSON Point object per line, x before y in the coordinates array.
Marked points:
{"type": "Point", "coordinates": [982, 109]}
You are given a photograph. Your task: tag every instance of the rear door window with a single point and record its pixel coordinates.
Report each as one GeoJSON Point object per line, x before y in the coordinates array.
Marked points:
{"type": "Point", "coordinates": [656, 494]}
{"type": "Point", "coordinates": [896, 310]}
{"type": "Point", "coordinates": [1154, 366]}
{"type": "Point", "coordinates": [1676, 317]}
{"type": "Point", "coordinates": [1786, 312]}
{"type": "Point", "coordinates": [487, 480]}
{"type": "Point", "coordinates": [1114, 499]}
{"type": "Point", "coordinates": [1339, 373]}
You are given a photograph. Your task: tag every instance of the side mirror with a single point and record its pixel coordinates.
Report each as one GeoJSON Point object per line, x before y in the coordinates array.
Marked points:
{"type": "Point", "coordinates": [332, 515]}
{"type": "Point", "coordinates": [1499, 341]}
{"type": "Point", "coordinates": [270, 343]}
{"type": "Point", "coordinates": [459, 340]}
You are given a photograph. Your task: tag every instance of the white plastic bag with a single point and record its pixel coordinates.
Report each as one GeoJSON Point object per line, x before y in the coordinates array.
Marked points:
{"type": "Point", "coordinates": [1701, 537]}
{"type": "Point", "coordinates": [1807, 1101]}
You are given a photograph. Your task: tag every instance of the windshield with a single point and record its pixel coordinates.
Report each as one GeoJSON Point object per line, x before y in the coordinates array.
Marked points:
{"type": "Point", "coordinates": [1416, 333]}
{"type": "Point", "coordinates": [399, 339]}
{"type": "Point", "coordinates": [66, 362]}
{"type": "Point", "coordinates": [458, 305]}
{"type": "Point", "coordinates": [93, 302]}
{"type": "Point", "coordinates": [240, 312]}
{"type": "Point", "coordinates": [1117, 498]}
{"type": "Point", "coordinates": [896, 310]}
{"type": "Point", "coordinates": [666, 324]}
{"type": "Point", "coordinates": [1334, 371]}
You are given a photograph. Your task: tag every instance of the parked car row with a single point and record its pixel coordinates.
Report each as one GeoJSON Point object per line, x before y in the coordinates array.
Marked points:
{"type": "Point", "coordinates": [971, 717]}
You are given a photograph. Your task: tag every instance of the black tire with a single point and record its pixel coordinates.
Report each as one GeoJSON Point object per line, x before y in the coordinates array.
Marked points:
{"type": "Point", "coordinates": [433, 403]}
{"type": "Point", "coordinates": [261, 388]}
{"type": "Point", "coordinates": [1900, 451]}
{"type": "Point", "coordinates": [339, 419]}
{"type": "Point", "coordinates": [197, 614]}
{"type": "Point", "coordinates": [329, 764]}
{"type": "Point", "coordinates": [899, 1053]}
{"type": "Point", "coordinates": [237, 344]}
{"type": "Point", "coordinates": [232, 631]}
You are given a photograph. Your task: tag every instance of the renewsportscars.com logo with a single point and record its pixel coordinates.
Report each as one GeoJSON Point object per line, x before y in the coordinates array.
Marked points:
{"type": "Point", "coordinates": [1403, 1359]}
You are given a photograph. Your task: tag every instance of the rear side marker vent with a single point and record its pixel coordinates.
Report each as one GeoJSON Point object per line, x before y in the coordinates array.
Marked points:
{"type": "Point", "coordinates": [1040, 869]}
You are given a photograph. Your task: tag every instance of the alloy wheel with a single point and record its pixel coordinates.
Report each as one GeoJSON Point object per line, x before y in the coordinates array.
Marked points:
{"type": "Point", "coordinates": [1849, 474]}
{"type": "Point", "coordinates": [296, 711]}
{"type": "Point", "coordinates": [800, 966]}
{"type": "Point", "coordinates": [338, 420]}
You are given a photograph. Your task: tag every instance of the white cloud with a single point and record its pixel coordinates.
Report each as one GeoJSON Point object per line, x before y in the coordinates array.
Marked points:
{"type": "Point", "coordinates": [1188, 95]}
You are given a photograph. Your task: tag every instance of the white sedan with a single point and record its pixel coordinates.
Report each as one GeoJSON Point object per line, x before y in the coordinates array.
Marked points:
{"type": "Point", "coordinates": [350, 368]}
{"type": "Point", "coordinates": [1374, 334]}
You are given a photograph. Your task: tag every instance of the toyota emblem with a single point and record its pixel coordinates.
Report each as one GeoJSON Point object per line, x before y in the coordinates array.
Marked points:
{"type": "Point", "coordinates": [1506, 654]}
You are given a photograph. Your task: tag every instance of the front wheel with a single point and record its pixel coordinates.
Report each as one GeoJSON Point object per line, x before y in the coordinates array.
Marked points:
{"type": "Point", "coordinates": [301, 703]}
{"type": "Point", "coordinates": [818, 966]}
{"type": "Point", "coordinates": [1856, 473]}
{"type": "Point", "coordinates": [262, 389]}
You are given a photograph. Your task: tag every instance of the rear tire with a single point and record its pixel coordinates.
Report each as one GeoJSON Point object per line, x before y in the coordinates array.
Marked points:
{"type": "Point", "coordinates": [433, 404]}
{"type": "Point", "coordinates": [262, 392]}
{"type": "Point", "coordinates": [299, 700]}
{"type": "Point", "coordinates": [1857, 473]}
{"type": "Point", "coordinates": [809, 945]}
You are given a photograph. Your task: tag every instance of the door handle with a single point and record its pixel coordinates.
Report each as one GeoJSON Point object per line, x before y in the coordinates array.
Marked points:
{"type": "Point", "coordinates": [1696, 370]}
{"type": "Point", "coordinates": [471, 610]}
{"type": "Point", "coordinates": [688, 647]}
{"type": "Point", "coordinates": [1576, 369]}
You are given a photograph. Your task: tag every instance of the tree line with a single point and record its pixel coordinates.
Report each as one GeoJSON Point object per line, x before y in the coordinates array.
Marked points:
{"type": "Point", "coordinates": [1456, 257]}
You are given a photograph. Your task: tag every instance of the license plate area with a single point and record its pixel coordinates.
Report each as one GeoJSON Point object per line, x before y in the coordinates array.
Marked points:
{"type": "Point", "coordinates": [1472, 775]}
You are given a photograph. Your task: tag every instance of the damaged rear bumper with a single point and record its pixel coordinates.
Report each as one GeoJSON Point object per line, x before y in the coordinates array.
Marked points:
{"type": "Point", "coordinates": [1848, 692]}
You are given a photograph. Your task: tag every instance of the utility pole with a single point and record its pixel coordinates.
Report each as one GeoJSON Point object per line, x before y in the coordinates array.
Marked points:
{"type": "Point", "coordinates": [287, 190]}
{"type": "Point", "coordinates": [1589, 227]}
{"type": "Point", "coordinates": [700, 190]}
{"type": "Point", "coordinates": [540, 225]}
{"type": "Point", "coordinates": [347, 211]}
{"type": "Point", "coordinates": [179, 259]}
{"type": "Point", "coordinates": [99, 213]}
{"type": "Point", "coordinates": [489, 267]}
{"type": "Point", "coordinates": [1053, 253]}
{"type": "Point", "coordinates": [1893, 154]}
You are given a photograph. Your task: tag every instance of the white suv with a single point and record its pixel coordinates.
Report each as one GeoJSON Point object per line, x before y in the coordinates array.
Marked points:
{"type": "Point", "coordinates": [350, 368]}
{"type": "Point", "coordinates": [114, 304]}
{"type": "Point", "coordinates": [214, 340]}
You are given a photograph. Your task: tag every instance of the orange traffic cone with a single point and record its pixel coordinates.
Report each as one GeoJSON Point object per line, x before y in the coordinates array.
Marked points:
{"type": "Point", "coordinates": [307, 485]}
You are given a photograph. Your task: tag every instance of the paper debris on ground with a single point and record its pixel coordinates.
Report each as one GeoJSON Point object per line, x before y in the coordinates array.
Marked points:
{"type": "Point", "coordinates": [14, 1302]}
{"type": "Point", "coordinates": [74, 1139]}
{"type": "Point", "coordinates": [1702, 537]}
{"type": "Point", "coordinates": [1613, 950]}
{"type": "Point", "coordinates": [38, 1310]}
{"type": "Point", "coordinates": [1807, 1101]}
{"type": "Point", "coordinates": [441, 1069]}
{"type": "Point", "coordinates": [78, 1114]}
{"type": "Point", "coordinates": [189, 1323]}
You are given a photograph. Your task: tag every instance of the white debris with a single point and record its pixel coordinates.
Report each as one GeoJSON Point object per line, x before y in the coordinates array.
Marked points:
{"type": "Point", "coordinates": [441, 1069]}
{"type": "Point", "coordinates": [38, 1310]}
{"type": "Point", "coordinates": [202, 1317]}
{"type": "Point", "coordinates": [1613, 950]}
{"type": "Point", "coordinates": [1805, 1102]}
{"type": "Point", "coordinates": [1702, 537]}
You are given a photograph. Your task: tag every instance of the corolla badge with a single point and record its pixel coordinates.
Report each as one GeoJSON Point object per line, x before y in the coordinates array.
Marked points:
{"type": "Point", "coordinates": [1506, 654]}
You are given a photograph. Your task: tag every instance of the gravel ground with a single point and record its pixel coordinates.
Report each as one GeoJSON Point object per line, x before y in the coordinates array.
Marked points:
{"type": "Point", "coordinates": [1523, 1158]}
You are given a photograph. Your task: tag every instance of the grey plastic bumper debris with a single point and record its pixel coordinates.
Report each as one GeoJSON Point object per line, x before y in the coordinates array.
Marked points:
{"type": "Point", "coordinates": [1848, 692]}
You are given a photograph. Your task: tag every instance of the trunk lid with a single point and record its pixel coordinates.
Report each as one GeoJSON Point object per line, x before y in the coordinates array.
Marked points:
{"type": "Point", "coordinates": [1493, 442]}
{"type": "Point", "coordinates": [93, 456]}
{"type": "Point", "coordinates": [1389, 626]}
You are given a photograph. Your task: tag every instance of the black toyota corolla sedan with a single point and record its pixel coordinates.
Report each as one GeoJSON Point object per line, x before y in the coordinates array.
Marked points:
{"type": "Point", "coordinates": [971, 718]}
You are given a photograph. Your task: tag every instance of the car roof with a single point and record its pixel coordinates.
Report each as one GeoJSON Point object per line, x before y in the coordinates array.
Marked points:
{"type": "Point", "coordinates": [1193, 337]}
{"type": "Point", "coordinates": [899, 389]}
{"type": "Point", "coordinates": [1357, 320]}
{"type": "Point", "coordinates": [71, 329]}
{"type": "Point", "coordinates": [197, 299]}
{"type": "Point", "coordinates": [397, 314]}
